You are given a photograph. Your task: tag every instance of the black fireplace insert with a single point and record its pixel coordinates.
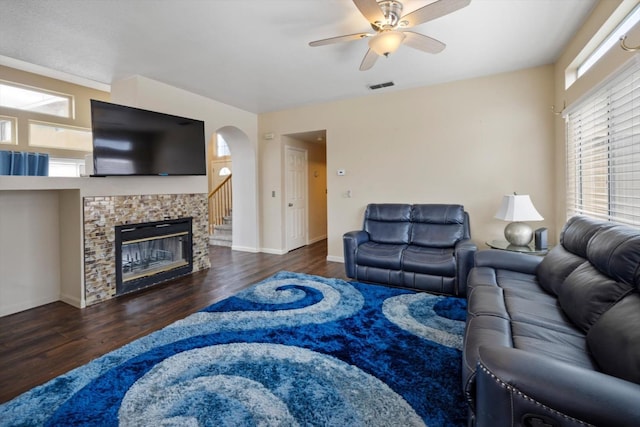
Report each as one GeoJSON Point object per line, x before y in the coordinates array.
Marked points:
{"type": "Point", "coordinates": [152, 252]}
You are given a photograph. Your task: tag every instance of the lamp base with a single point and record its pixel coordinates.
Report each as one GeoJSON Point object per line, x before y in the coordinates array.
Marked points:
{"type": "Point", "coordinates": [518, 233]}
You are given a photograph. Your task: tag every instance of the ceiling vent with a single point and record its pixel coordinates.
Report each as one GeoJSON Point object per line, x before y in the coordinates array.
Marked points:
{"type": "Point", "coordinates": [381, 85]}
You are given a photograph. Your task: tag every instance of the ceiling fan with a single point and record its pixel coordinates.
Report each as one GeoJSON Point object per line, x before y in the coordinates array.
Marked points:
{"type": "Point", "coordinates": [390, 26]}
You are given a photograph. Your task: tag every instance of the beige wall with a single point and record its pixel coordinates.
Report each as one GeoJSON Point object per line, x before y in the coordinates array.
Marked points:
{"type": "Point", "coordinates": [238, 127]}
{"type": "Point", "coordinates": [467, 142]}
{"type": "Point", "coordinates": [82, 119]}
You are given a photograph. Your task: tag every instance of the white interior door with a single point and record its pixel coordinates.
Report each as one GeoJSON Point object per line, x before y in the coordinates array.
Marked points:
{"type": "Point", "coordinates": [296, 197]}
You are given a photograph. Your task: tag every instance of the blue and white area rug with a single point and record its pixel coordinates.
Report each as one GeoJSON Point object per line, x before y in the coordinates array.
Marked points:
{"type": "Point", "coordinates": [293, 350]}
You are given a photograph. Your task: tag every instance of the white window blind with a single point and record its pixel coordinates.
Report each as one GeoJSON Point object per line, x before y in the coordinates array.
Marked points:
{"type": "Point", "coordinates": [603, 151]}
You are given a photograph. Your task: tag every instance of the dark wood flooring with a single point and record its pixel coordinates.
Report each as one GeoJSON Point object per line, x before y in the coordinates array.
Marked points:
{"type": "Point", "coordinates": [39, 344]}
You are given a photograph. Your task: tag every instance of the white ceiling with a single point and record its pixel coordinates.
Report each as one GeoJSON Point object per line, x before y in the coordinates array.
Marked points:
{"type": "Point", "coordinates": [254, 54]}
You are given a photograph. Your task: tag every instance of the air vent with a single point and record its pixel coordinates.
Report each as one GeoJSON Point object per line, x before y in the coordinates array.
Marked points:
{"type": "Point", "coordinates": [381, 85]}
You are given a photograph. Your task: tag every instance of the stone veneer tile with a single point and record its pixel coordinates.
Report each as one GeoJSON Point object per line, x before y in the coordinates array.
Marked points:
{"type": "Point", "coordinates": [102, 214]}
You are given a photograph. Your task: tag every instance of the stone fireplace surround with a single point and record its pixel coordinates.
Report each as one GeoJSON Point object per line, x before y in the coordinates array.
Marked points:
{"type": "Point", "coordinates": [51, 209]}
{"type": "Point", "coordinates": [103, 213]}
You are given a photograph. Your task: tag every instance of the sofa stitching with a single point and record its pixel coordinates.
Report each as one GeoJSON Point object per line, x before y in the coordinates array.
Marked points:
{"type": "Point", "coordinates": [467, 392]}
{"type": "Point", "coordinates": [511, 403]}
{"type": "Point", "coordinates": [514, 390]}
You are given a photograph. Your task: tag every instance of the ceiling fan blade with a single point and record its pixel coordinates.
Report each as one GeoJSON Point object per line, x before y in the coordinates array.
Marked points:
{"type": "Point", "coordinates": [370, 10]}
{"type": "Point", "coordinates": [433, 11]}
{"type": "Point", "coordinates": [369, 59]}
{"type": "Point", "coordinates": [339, 39]}
{"type": "Point", "coordinates": [423, 43]}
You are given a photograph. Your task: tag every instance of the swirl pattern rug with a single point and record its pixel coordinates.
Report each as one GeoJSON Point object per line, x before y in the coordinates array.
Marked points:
{"type": "Point", "coordinates": [292, 350]}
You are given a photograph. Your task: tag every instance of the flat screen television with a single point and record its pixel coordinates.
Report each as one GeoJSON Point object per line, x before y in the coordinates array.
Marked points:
{"type": "Point", "coordinates": [131, 141]}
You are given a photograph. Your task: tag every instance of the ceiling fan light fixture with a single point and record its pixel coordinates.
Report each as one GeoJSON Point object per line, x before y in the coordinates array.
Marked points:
{"type": "Point", "coordinates": [386, 42]}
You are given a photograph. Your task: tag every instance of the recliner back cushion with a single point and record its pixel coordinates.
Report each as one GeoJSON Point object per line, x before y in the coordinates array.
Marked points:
{"type": "Point", "coordinates": [388, 222]}
{"type": "Point", "coordinates": [437, 226]}
{"type": "Point", "coordinates": [614, 340]}
{"type": "Point", "coordinates": [587, 293]}
{"type": "Point", "coordinates": [555, 267]}
{"type": "Point", "coordinates": [575, 239]}
{"type": "Point", "coordinates": [615, 251]}
{"type": "Point", "coordinates": [577, 232]}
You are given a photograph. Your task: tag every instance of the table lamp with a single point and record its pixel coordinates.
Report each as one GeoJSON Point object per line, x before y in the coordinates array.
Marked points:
{"type": "Point", "coordinates": [517, 208]}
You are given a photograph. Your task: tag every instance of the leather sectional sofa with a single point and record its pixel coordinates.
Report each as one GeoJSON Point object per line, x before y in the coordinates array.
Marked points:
{"type": "Point", "coordinates": [555, 341]}
{"type": "Point", "coordinates": [425, 247]}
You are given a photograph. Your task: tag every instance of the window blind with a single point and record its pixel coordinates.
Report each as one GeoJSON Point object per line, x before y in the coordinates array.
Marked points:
{"type": "Point", "coordinates": [603, 151]}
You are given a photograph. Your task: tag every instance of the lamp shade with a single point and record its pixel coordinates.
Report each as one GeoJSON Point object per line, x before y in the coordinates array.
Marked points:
{"type": "Point", "coordinates": [386, 42]}
{"type": "Point", "coordinates": [518, 207]}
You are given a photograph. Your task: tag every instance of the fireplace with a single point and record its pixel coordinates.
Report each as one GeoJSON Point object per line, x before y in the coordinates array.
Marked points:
{"type": "Point", "coordinates": [152, 252]}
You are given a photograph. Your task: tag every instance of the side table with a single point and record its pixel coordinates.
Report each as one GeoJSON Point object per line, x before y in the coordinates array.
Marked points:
{"type": "Point", "coordinates": [506, 246]}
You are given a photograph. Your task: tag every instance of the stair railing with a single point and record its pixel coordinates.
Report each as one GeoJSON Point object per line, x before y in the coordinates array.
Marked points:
{"type": "Point", "coordinates": [219, 203]}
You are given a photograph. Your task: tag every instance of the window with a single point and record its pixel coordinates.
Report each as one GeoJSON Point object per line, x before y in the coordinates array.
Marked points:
{"type": "Point", "coordinates": [222, 149]}
{"type": "Point", "coordinates": [35, 100]}
{"type": "Point", "coordinates": [8, 130]}
{"type": "Point", "coordinates": [52, 135]}
{"type": "Point", "coordinates": [621, 21]}
{"type": "Point", "coordinates": [603, 151]}
{"type": "Point", "coordinates": [632, 19]}
{"type": "Point", "coordinates": [66, 167]}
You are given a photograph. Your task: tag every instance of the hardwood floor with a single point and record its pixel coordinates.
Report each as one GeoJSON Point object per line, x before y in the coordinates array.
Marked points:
{"type": "Point", "coordinates": [39, 344]}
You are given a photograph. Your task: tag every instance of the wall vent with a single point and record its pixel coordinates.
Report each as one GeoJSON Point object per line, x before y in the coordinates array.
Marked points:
{"type": "Point", "coordinates": [381, 85]}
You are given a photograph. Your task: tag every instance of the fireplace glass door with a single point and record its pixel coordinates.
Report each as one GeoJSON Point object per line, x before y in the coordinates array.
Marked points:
{"type": "Point", "coordinates": [153, 255]}
{"type": "Point", "coordinates": [150, 253]}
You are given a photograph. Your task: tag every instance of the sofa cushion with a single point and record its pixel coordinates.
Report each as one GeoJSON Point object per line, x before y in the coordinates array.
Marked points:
{"type": "Point", "coordinates": [438, 226]}
{"type": "Point", "coordinates": [372, 254]}
{"type": "Point", "coordinates": [615, 251]}
{"type": "Point", "coordinates": [567, 347]}
{"type": "Point", "coordinates": [388, 223]}
{"type": "Point", "coordinates": [587, 293]}
{"type": "Point", "coordinates": [614, 340]}
{"type": "Point", "coordinates": [577, 232]}
{"type": "Point", "coordinates": [555, 267]}
{"type": "Point", "coordinates": [434, 261]}
{"type": "Point", "coordinates": [524, 304]}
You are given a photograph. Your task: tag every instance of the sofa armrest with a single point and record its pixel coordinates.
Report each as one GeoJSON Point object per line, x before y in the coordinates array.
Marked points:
{"type": "Point", "coordinates": [505, 260]}
{"type": "Point", "coordinates": [513, 384]}
{"type": "Point", "coordinates": [464, 252]}
{"type": "Point", "coordinates": [351, 240]}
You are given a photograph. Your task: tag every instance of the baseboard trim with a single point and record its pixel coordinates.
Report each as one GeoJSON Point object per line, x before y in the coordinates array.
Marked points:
{"type": "Point", "coordinates": [22, 306]}
{"type": "Point", "coordinates": [274, 251]}
{"type": "Point", "coordinates": [335, 258]}
{"type": "Point", "coordinates": [72, 301]}
{"type": "Point", "coordinates": [244, 249]}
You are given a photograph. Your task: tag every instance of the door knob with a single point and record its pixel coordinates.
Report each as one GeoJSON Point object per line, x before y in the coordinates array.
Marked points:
{"type": "Point", "coordinates": [290, 205]}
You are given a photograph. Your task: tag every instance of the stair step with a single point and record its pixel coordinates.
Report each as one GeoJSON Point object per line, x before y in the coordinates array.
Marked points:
{"type": "Point", "coordinates": [223, 227]}
{"type": "Point", "coordinates": [217, 240]}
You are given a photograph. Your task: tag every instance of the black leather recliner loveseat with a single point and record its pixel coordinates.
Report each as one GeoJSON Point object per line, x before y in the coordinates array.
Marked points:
{"type": "Point", "coordinates": [425, 247]}
{"type": "Point", "coordinates": [555, 341]}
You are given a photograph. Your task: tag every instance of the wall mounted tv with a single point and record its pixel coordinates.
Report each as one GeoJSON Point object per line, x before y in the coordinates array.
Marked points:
{"type": "Point", "coordinates": [131, 141]}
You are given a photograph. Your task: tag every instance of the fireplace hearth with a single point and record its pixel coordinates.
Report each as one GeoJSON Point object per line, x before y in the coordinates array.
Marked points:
{"type": "Point", "coordinates": [151, 253]}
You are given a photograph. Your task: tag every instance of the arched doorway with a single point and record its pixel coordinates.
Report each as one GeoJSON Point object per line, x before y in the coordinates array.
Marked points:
{"type": "Point", "coordinates": [241, 160]}
{"type": "Point", "coordinates": [220, 192]}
